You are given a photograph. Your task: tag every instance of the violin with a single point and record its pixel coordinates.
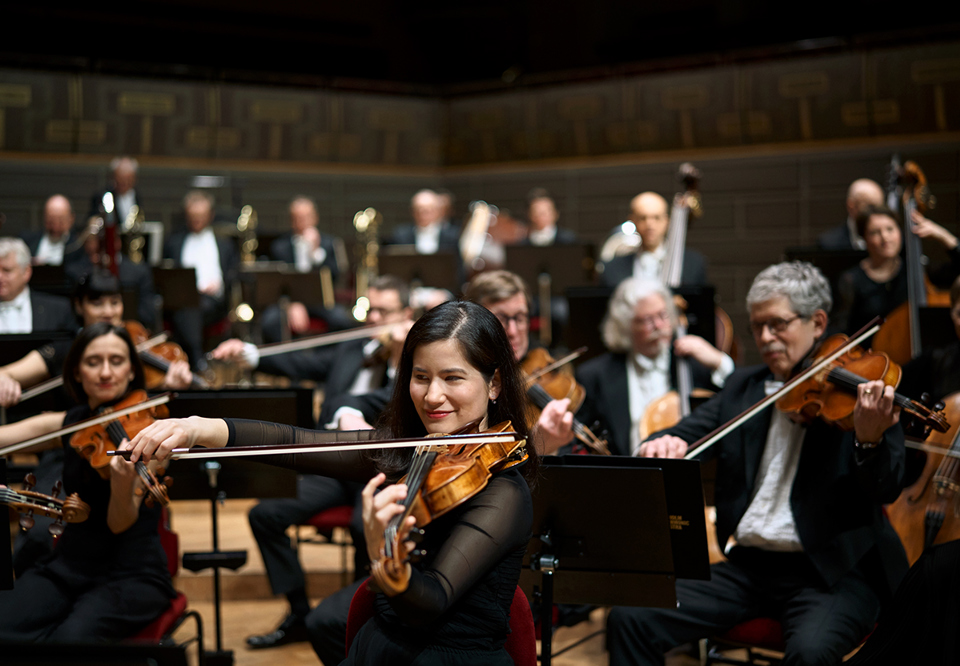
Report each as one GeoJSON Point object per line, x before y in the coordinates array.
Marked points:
{"type": "Point", "coordinates": [93, 442]}
{"type": "Point", "coordinates": [545, 383]}
{"type": "Point", "coordinates": [900, 334]}
{"type": "Point", "coordinates": [157, 358]}
{"type": "Point", "coordinates": [927, 512]}
{"type": "Point", "coordinates": [439, 479]}
{"type": "Point", "coordinates": [29, 503]}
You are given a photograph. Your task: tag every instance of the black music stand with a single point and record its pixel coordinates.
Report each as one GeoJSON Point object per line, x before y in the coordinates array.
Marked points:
{"type": "Point", "coordinates": [625, 558]}
{"type": "Point", "coordinates": [177, 287]}
{"type": "Point", "coordinates": [215, 480]}
{"type": "Point", "coordinates": [440, 270]}
{"type": "Point", "coordinates": [51, 279]}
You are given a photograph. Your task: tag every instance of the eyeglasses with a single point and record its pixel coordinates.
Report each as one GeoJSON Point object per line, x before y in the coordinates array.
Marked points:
{"type": "Point", "coordinates": [776, 325]}
{"type": "Point", "coordinates": [653, 320]}
{"type": "Point", "coordinates": [521, 319]}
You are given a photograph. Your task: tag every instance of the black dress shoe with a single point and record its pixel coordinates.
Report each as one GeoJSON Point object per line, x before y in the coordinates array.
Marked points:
{"type": "Point", "coordinates": [291, 630]}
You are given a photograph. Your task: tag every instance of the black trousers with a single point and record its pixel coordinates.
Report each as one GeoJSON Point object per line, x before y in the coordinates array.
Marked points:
{"type": "Point", "coordinates": [820, 624]}
{"type": "Point", "coordinates": [188, 326]}
{"type": "Point", "coordinates": [272, 324]}
{"type": "Point", "coordinates": [270, 519]}
{"type": "Point", "coordinates": [36, 543]}
{"type": "Point", "coordinates": [327, 624]}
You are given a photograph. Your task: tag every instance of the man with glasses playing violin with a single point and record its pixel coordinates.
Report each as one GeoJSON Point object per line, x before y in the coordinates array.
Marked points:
{"type": "Point", "coordinates": [802, 503]}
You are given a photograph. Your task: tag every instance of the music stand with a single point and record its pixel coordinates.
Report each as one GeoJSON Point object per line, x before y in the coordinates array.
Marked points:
{"type": "Point", "coordinates": [214, 480]}
{"type": "Point", "coordinates": [440, 270]}
{"type": "Point", "coordinates": [269, 287]}
{"type": "Point", "coordinates": [567, 265]}
{"type": "Point", "coordinates": [51, 280]}
{"type": "Point", "coordinates": [177, 287]}
{"type": "Point", "coordinates": [625, 558]}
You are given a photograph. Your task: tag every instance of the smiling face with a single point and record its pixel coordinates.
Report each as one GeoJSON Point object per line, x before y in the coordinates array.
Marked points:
{"type": "Point", "coordinates": [105, 370]}
{"type": "Point", "coordinates": [782, 337]}
{"type": "Point", "coordinates": [106, 308]}
{"type": "Point", "coordinates": [446, 390]}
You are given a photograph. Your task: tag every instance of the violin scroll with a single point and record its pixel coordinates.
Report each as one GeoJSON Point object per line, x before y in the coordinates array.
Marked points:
{"type": "Point", "coordinates": [29, 503]}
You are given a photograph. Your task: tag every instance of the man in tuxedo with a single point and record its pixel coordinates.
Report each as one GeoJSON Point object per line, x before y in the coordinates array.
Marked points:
{"type": "Point", "coordinates": [862, 193]}
{"type": "Point", "coordinates": [803, 502]}
{"type": "Point", "coordinates": [641, 362]}
{"type": "Point", "coordinates": [307, 250]}
{"type": "Point", "coordinates": [48, 246]}
{"type": "Point", "coordinates": [650, 214]}
{"type": "Point", "coordinates": [215, 261]}
{"type": "Point", "coordinates": [123, 177]}
{"type": "Point", "coordinates": [23, 310]}
{"type": "Point", "coordinates": [430, 232]}
{"type": "Point", "coordinates": [542, 215]}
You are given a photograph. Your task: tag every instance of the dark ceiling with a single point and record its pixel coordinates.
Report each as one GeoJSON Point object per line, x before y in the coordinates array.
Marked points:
{"type": "Point", "coordinates": [440, 47]}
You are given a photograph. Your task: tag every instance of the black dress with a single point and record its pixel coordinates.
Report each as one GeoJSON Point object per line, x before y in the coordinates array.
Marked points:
{"type": "Point", "coordinates": [862, 299]}
{"type": "Point", "coordinates": [457, 607]}
{"type": "Point", "coordinates": [95, 585]}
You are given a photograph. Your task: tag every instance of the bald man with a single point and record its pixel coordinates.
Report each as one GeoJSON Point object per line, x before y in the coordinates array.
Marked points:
{"type": "Point", "coordinates": [47, 247]}
{"type": "Point", "coordinates": [651, 215]}
{"type": "Point", "coordinates": [862, 193]}
{"type": "Point", "coordinates": [429, 232]}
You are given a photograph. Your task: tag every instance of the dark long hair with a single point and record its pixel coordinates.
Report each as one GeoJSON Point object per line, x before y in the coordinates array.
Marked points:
{"type": "Point", "coordinates": [94, 285]}
{"type": "Point", "coordinates": [484, 345]}
{"type": "Point", "coordinates": [87, 335]}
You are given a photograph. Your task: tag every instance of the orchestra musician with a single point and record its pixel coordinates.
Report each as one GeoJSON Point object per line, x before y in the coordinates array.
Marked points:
{"type": "Point", "coordinates": [364, 371]}
{"type": "Point", "coordinates": [862, 193]}
{"type": "Point", "coordinates": [96, 299]}
{"type": "Point", "coordinates": [430, 232]}
{"type": "Point", "coordinates": [24, 310]}
{"type": "Point", "coordinates": [456, 367]}
{"type": "Point", "coordinates": [215, 261]}
{"type": "Point", "coordinates": [802, 502]}
{"type": "Point", "coordinates": [505, 294]}
{"type": "Point", "coordinates": [307, 250]}
{"type": "Point", "coordinates": [49, 246]}
{"type": "Point", "coordinates": [649, 212]}
{"type": "Point", "coordinates": [641, 362]}
{"type": "Point", "coordinates": [543, 215]}
{"type": "Point", "coordinates": [878, 284]}
{"type": "Point", "coordinates": [107, 578]}
{"type": "Point", "coordinates": [123, 187]}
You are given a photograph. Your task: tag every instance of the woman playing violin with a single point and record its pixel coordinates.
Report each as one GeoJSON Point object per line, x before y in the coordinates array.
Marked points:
{"type": "Point", "coordinates": [802, 501]}
{"type": "Point", "coordinates": [456, 367]}
{"type": "Point", "coordinates": [107, 578]}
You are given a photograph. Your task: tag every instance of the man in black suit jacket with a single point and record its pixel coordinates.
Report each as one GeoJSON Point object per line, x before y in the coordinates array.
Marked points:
{"type": "Point", "coordinates": [51, 246]}
{"type": "Point", "coordinates": [803, 502]}
{"type": "Point", "coordinates": [307, 250]}
{"type": "Point", "coordinates": [862, 193]}
{"type": "Point", "coordinates": [47, 313]}
{"type": "Point", "coordinates": [123, 177]}
{"type": "Point", "coordinates": [430, 233]}
{"type": "Point", "coordinates": [650, 213]}
{"type": "Point", "coordinates": [642, 362]}
{"type": "Point", "coordinates": [215, 261]}
{"type": "Point", "coordinates": [543, 215]}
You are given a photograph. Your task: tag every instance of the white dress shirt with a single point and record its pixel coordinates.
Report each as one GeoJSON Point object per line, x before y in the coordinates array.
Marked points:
{"type": "Point", "coordinates": [49, 251]}
{"type": "Point", "coordinates": [768, 522]}
{"type": "Point", "coordinates": [647, 264]}
{"type": "Point", "coordinates": [543, 236]}
{"type": "Point", "coordinates": [305, 258]}
{"type": "Point", "coordinates": [123, 203]}
{"type": "Point", "coordinates": [647, 380]}
{"type": "Point", "coordinates": [428, 238]}
{"type": "Point", "coordinates": [16, 316]}
{"type": "Point", "coordinates": [201, 253]}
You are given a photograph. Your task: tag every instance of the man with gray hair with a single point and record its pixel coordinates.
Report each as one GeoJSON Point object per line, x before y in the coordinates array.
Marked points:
{"type": "Point", "coordinates": [123, 183]}
{"type": "Point", "coordinates": [641, 363]}
{"type": "Point", "coordinates": [429, 232]}
{"type": "Point", "coordinates": [800, 502]}
{"type": "Point", "coordinates": [21, 309]}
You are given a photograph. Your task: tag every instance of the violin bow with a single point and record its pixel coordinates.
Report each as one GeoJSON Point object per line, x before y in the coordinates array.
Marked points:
{"type": "Point", "coordinates": [161, 399]}
{"type": "Point", "coordinates": [333, 446]}
{"type": "Point", "coordinates": [54, 382]}
{"type": "Point", "coordinates": [275, 348]}
{"type": "Point", "coordinates": [712, 438]}
{"type": "Point", "coordinates": [572, 356]}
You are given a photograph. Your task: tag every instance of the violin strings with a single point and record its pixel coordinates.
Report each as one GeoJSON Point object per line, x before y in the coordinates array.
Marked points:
{"type": "Point", "coordinates": [850, 380]}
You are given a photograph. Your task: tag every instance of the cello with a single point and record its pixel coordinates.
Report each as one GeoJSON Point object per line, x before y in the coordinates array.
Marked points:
{"type": "Point", "coordinates": [900, 336]}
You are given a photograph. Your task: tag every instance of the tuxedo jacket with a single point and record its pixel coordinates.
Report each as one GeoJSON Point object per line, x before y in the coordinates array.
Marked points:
{"type": "Point", "coordinates": [51, 313]}
{"type": "Point", "coordinates": [371, 404]}
{"type": "Point", "coordinates": [563, 237]}
{"type": "Point", "coordinates": [607, 401]}
{"type": "Point", "coordinates": [33, 238]}
{"type": "Point", "coordinates": [837, 238]}
{"type": "Point", "coordinates": [281, 249]}
{"type": "Point", "coordinates": [837, 492]}
{"type": "Point", "coordinates": [406, 235]}
{"type": "Point", "coordinates": [618, 269]}
{"type": "Point", "coordinates": [229, 258]}
{"type": "Point", "coordinates": [337, 366]}
{"type": "Point", "coordinates": [96, 202]}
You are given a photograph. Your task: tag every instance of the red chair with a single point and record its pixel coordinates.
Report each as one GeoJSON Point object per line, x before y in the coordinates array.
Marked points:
{"type": "Point", "coordinates": [761, 633]}
{"type": "Point", "coordinates": [326, 524]}
{"type": "Point", "coordinates": [160, 630]}
{"type": "Point", "coordinates": [521, 643]}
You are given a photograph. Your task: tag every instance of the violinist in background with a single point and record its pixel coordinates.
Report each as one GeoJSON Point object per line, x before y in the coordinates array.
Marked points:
{"type": "Point", "coordinates": [803, 502]}
{"type": "Point", "coordinates": [505, 294]}
{"type": "Point", "coordinates": [542, 215]}
{"type": "Point", "coordinates": [641, 362]}
{"type": "Point", "coordinates": [862, 193]}
{"type": "Point", "coordinates": [456, 367]}
{"type": "Point", "coordinates": [23, 310]}
{"type": "Point", "coordinates": [879, 283]}
{"type": "Point", "coordinates": [107, 578]}
{"type": "Point", "coordinates": [651, 215]}
{"type": "Point", "coordinates": [96, 299]}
